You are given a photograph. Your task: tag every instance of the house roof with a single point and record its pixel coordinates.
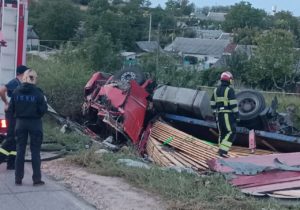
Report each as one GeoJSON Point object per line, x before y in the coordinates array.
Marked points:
{"type": "Point", "coordinates": [230, 48]}
{"type": "Point", "coordinates": [212, 47]}
{"type": "Point", "coordinates": [31, 34]}
{"type": "Point", "coordinates": [147, 46]}
{"type": "Point", "coordinates": [208, 34]}
{"type": "Point", "coordinates": [125, 54]}
{"type": "Point", "coordinates": [222, 62]}
{"type": "Point", "coordinates": [225, 36]}
{"type": "Point", "coordinates": [216, 16]}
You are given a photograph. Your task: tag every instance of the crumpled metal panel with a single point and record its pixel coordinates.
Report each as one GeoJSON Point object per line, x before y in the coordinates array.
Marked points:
{"type": "Point", "coordinates": [256, 163]}
{"type": "Point", "coordinates": [135, 111]}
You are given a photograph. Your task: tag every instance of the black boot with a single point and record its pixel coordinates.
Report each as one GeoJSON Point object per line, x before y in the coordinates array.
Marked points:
{"type": "Point", "coordinates": [11, 163]}
{"type": "Point", "coordinates": [223, 153]}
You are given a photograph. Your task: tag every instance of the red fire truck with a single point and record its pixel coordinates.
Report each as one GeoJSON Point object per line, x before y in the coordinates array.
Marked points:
{"type": "Point", "coordinates": [13, 36]}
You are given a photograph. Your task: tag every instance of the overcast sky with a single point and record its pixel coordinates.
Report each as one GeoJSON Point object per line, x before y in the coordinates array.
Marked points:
{"type": "Point", "coordinates": [291, 5]}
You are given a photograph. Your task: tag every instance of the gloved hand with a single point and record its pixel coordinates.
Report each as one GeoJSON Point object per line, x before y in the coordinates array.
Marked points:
{"type": "Point", "coordinates": [237, 117]}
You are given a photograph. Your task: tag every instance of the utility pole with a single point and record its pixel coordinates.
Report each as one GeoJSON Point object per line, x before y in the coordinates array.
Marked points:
{"type": "Point", "coordinates": [157, 52]}
{"type": "Point", "coordinates": [150, 26]}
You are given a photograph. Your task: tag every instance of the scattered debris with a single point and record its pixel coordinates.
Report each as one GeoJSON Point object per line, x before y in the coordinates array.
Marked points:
{"type": "Point", "coordinates": [101, 151]}
{"type": "Point", "coordinates": [110, 146]}
{"type": "Point", "coordinates": [133, 163]}
{"type": "Point", "coordinates": [270, 173]}
{"type": "Point", "coordinates": [182, 169]}
{"type": "Point", "coordinates": [223, 166]}
{"type": "Point", "coordinates": [109, 139]}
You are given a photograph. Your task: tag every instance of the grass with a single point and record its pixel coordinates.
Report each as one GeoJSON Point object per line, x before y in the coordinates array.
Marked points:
{"type": "Point", "coordinates": [53, 138]}
{"type": "Point", "coordinates": [179, 190]}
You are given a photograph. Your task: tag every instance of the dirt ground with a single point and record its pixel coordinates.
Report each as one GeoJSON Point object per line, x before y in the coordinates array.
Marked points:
{"type": "Point", "coordinates": [102, 192]}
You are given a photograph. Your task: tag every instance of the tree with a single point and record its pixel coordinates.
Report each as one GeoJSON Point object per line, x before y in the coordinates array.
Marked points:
{"type": "Point", "coordinates": [274, 60]}
{"type": "Point", "coordinates": [55, 19]}
{"type": "Point", "coordinates": [180, 7]}
{"type": "Point", "coordinates": [244, 15]}
{"type": "Point", "coordinates": [125, 24]}
{"type": "Point", "coordinates": [100, 52]}
{"type": "Point", "coordinates": [285, 20]}
{"type": "Point", "coordinates": [83, 2]}
{"type": "Point", "coordinates": [245, 36]}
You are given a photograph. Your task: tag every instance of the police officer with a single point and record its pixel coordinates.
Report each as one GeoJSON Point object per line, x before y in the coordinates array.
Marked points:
{"type": "Point", "coordinates": [28, 105]}
{"type": "Point", "coordinates": [8, 150]}
{"type": "Point", "coordinates": [224, 104]}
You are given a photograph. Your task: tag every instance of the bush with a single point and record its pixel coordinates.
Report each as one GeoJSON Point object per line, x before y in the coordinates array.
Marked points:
{"type": "Point", "coordinates": [62, 79]}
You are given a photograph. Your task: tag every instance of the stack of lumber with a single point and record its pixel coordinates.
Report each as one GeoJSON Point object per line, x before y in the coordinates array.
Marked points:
{"type": "Point", "coordinates": [168, 146]}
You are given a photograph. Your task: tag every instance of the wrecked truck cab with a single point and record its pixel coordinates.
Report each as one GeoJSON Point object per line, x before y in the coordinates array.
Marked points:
{"type": "Point", "coordinates": [119, 100]}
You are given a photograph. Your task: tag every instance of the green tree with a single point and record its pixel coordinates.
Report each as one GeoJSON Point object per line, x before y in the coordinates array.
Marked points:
{"type": "Point", "coordinates": [100, 52]}
{"type": "Point", "coordinates": [285, 20]}
{"type": "Point", "coordinates": [125, 24]}
{"type": "Point", "coordinates": [244, 15]}
{"type": "Point", "coordinates": [274, 60]}
{"type": "Point", "coordinates": [180, 7]}
{"type": "Point", "coordinates": [55, 19]}
{"type": "Point", "coordinates": [245, 36]}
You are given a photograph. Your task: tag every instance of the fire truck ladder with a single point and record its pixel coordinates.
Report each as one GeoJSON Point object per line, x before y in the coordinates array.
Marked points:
{"type": "Point", "coordinates": [13, 26]}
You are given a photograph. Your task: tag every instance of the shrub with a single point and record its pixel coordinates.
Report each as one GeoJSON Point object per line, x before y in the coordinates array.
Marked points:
{"type": "Point", "coordinates": [62, 79]}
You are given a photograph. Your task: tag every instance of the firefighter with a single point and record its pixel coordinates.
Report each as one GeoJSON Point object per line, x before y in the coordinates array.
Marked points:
{"type": "Point", "coordinates": [224, 105]}
{"type": "Point", "coordinates": [8, 150]}
{"type": "Point", "coordinates": [28, 105]}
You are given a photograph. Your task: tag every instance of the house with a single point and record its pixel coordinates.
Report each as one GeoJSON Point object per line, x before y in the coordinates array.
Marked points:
{"type": "Point", "coordinates": [129, 58]}
{"type": "Point", "coordinates": [33, 40]}
{"type": "Point", "coordinates": [208, 34]}
{"type": "Point", "coordinates": [148, 46]}
{"type": "Point", "coordinates": [206, 51]}
{"type": "Point", "coordinates": [216, 16]}
{"type": "Point", "coordinates": [234, 48]}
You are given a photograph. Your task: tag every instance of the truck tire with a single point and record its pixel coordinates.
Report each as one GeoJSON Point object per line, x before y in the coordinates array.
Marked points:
{"type": "Point", "coordinates": [130, 73]}
{"type": "Point", "coordinates": [250, 103]}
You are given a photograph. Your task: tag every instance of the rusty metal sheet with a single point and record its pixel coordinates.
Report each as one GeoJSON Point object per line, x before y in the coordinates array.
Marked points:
{"type": "Point", "coordinates": [270, 177]}
{"type": "Point", "coordinates": [290, 159]}
{"type": "Point", "coordinates": [273, 187]}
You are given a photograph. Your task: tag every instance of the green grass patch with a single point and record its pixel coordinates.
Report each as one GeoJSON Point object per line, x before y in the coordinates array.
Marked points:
{"type": "Point", "coordinates": [179, 190]}
{"type": "Point", "coordinates": [70, 141]}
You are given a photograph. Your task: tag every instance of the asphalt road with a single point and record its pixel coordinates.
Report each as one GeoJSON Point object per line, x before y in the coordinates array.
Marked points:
{"type": "Point", "coordinates": [28, 197]}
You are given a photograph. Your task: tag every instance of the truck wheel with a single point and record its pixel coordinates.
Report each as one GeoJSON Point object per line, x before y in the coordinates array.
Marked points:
{"type": "Point", "coordinates": [250, 103]}
{"type": "Point", "coordinates": [130, 73]}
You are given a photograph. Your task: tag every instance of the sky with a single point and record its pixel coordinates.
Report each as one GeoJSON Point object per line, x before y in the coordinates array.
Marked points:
{"type": "Point", "coordinates": [290, 5]}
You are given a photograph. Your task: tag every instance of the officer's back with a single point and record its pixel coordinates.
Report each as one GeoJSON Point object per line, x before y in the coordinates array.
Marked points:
{"type": "Point", "coordinates": [29, 102]}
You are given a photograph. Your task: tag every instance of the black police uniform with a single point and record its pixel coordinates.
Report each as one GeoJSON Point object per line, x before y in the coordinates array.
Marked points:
{"type": "Point", "coordinates": [28, 106]}
{"type": "Point", "coordinates": [224, 104]}
{"type": "Point", "coordinates": [8, 149]}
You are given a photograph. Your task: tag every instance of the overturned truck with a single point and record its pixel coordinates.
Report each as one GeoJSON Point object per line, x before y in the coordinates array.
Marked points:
{"type": "Point", "coordinates": [128, 101]}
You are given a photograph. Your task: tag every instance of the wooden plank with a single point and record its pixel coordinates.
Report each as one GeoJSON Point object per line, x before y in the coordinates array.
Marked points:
{"type": "Point", "coordinates": [192, 147]}
{"type": "Point", "coordinates": [193, 163]}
